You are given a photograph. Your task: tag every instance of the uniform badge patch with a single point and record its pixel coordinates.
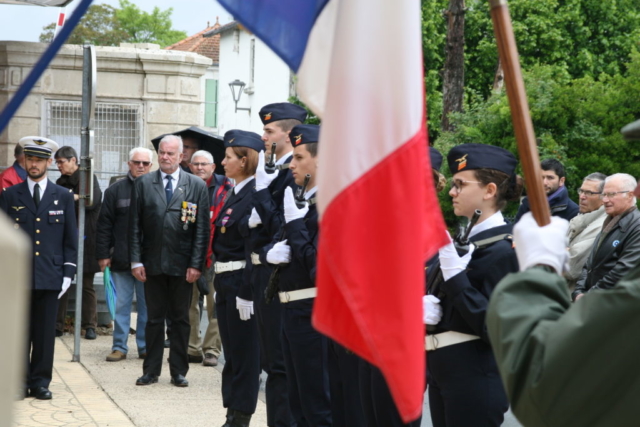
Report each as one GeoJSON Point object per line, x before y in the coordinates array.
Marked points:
{"type": "Point", "coordinates": [17, 208]}
{"type": "Point", "coordinates": [462, 162]}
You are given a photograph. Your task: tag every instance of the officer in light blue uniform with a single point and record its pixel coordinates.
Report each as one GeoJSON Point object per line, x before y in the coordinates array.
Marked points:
{"type": "Point", "coordinates": [45, 212]}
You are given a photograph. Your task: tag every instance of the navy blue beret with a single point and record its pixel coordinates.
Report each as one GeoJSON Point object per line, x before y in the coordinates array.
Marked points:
{"type": "Point", "coordinates": [304, 134]}
{"type": "Point", "coordinates": [436, 158]}
{"type": "Point", "coordinates": [481, 156]}
{"type": "Point", "coordinates": [281, 111]}
{"type": "Point", "coordinates": [243, 138]}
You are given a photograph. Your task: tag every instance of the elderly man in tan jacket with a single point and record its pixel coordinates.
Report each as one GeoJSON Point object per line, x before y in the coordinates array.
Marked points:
{"type": "Point", "coordinates": [584, 227]}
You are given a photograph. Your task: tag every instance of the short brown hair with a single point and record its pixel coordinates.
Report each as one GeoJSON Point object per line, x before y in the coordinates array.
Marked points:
{"type": "Point", "coordinates": [252, 158]}
{"type": "Point", "coordinates": [287, 124]}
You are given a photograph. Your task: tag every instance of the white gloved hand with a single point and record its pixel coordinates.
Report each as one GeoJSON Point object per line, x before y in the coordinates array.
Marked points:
{"type": "Point", "coordinates": [431, 310]}
{"type": "Point", "coordinates": [263, 179]}
{"type": "Point", "coordinates": [291, 211]}
{"type": "Point", "coordinates": [66, 282]}
{"type": "Point", "coordinates": [541, 245]}
{"type": "Point", "coordinates": [450, 262]}
{"type": "Point", "coordinates": [280, 253]}
{"type": "Point", "coordinates": [254, 219]}
{"type": "Point", "coordinates": [245, 308]}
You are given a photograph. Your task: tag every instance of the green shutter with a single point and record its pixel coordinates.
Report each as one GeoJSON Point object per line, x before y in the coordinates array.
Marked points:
{"type": "Point", "coordinates": [211, 103]}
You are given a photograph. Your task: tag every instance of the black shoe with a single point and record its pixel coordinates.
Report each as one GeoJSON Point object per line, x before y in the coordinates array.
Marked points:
{"type": "Point", "coordinates": [240, 419]}
{"type": "Point", "coordinates": [40, 393]}
{"type": "Point", "coordinates": [59, 333]}
{"type": "Point", "coordinates": [167, 343]}
{"type": "Point", "coordinates": [147, 379]}
{"type": "Point", "coordinates": [90, 334]}
{"type": "Point", "coordinates": [179, 381]}
{"type": "Point", "coordinates": [195, 359]}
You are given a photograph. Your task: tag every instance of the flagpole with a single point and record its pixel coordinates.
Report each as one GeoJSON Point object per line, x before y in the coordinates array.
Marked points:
{"type": "Point", "coordinates": [520, 115]}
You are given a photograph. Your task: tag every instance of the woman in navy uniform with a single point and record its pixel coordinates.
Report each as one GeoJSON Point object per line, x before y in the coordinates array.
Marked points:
{"type": "Point", "coordinates": [305, 349]}
{"type": "Point", "coordinates": [463, 380]}
{"type": "Point", "coordinates": [238, 329]}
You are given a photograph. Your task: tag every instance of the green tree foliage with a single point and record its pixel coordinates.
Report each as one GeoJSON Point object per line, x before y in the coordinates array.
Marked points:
{"type": "Point", "coordinates": [576, 121]}
{"type": "Point", "coordinates": [143, 27]}
{"type": "Point", "coordinates": [98, 26]}
{"type": "Point", "coordinates": [104, 25]}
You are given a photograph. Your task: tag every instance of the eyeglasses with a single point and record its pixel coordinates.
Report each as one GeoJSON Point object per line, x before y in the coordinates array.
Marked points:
{"type": "Point", "coordinates": [457, 184]}
{"type": "Point", "coordinates": [587, 192]}
{"type": "Point", "coordinates": [140, 162]}
{"type": "Point", "coordinates": [197, 165]}
{"type": "Point", "coordinates": [613, 194]}
{"type": "Point", "coordinates": [61, 161]}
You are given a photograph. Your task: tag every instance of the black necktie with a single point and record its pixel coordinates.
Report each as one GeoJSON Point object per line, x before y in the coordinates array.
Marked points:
{"type": "Point", "coordinates": [36, 195]}
{"type": "Point", "coordinates": [169, 188]}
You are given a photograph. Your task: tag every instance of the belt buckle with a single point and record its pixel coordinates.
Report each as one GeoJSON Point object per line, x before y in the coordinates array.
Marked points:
{"type": "Point", "coordinates": [433, 341]}
{"type": "Point", "coordinates": [287, 296]}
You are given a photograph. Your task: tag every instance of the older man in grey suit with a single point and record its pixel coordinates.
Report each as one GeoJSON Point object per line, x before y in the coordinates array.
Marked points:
{"type": "Point", "coordinates": [169, 233]}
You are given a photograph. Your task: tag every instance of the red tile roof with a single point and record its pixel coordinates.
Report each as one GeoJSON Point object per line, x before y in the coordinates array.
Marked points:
{"type": "Point", "coordinates": [206, 46]}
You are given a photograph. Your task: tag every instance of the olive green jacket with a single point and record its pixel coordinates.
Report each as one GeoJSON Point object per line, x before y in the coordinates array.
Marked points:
{"type": "Point", "coordinates": [565, 364]}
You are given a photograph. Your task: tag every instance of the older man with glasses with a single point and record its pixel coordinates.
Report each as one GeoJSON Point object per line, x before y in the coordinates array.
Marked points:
{"type": "Point", "coordinates": [584, 227]}
{"type": "Point", "coordinates": [112, 250]}
{"type": "Point", "coordinates": [617, 248]}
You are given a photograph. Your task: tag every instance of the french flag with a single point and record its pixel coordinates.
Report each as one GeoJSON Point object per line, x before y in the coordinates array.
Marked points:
{"type": "Point", "coordinates": [359, 67]}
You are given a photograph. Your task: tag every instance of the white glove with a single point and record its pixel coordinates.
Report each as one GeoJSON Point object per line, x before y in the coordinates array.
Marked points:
{"type": "Point", "coordinates": [245, 308]}
{"type": "Point", "coordinates": [280, 253]}
{"type": "Point", "coordinates": [431, 310]}
{"type": "Point", "coordinates": [450, 262]}
{"type": "Point", "coordinates": [291, 211]}
{"type": "Point", "coordinates": [66, 282]}
{"type": "Point", "coordinates": [254, 219]}
{"type": "Point", "coordinates": [541, 245]}
{"type": "Point", "coordinates": [214, 296]}
{"type": "Point", "coordinates": [263, 179]}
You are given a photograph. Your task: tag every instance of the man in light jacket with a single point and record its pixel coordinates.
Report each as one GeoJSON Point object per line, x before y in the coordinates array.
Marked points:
{"type": "Point", "coordinates": [584, 228]}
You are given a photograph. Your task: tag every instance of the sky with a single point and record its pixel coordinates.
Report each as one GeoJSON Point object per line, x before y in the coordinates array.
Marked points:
{"type": "Point", "coordinates": [24, 23]}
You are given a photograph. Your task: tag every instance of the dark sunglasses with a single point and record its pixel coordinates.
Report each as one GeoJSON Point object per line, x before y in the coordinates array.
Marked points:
{"type": "Point", "coordinates": [139, 162]}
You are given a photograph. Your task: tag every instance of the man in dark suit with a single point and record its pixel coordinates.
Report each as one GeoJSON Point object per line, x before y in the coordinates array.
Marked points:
{"type": "Point", "coordinates": [45, 211]}
{"type": "Point", "coordinates": [168, 236]}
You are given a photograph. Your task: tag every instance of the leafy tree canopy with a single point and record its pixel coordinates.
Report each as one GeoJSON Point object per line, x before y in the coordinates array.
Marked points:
{"type": "Point", "coordinates": [104, 25]}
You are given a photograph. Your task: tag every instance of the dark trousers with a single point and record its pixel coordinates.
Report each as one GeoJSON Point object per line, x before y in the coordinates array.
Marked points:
{"type": "Point", "coordinates": [241, 372]}
{"type": "Point", "coordinates": [305, 358]}
{"type": "Point", "coordinates": [346, 407]}
{"type": "Point", "coordinates": [269, 318]}
{"type": "Point", "coordinates": [42, 337]}
{"type": "Point", "coordinates": [464, 386]}
{"type": "Point", "coordinates": [89, 318]}
{"type": "Point", "coordinates": [167, 296]}
{"type": "Point", "coordinates": [377, 403]}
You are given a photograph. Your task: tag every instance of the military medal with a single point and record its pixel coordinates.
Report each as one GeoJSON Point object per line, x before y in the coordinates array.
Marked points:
{"type": "Point", "coordinates": [223, 229]}
{"type": "Point", "coordinates": [183, 212]}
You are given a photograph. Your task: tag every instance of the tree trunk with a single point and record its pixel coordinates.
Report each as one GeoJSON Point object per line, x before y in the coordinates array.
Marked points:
{"type": "Point", "coordinates": [453, 78]}
{"type": "Point", "coordinates": [498, 80]}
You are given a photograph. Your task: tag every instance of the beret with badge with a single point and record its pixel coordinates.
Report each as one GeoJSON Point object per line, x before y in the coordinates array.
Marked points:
{"type": "Point", "coordinates": [481, 156]}
{"type": "Point", "coordinates": [243, 138]}
{"type": "Point", "coordinates": [282, 111]}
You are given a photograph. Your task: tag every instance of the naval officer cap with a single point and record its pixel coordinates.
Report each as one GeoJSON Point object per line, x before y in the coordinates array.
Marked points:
{"type": "Point", "coordinates": [281, 111]}
{"type": "Point", "coordinates": [38, 146]}
{"type": "Point", "coordinates": [304, 134]}
{"type": "Point", "coordinates": [436, 158]}
{"type": "Point", "coordinates": [481, 156]}
{"type": "Point", "coordinates": [243, 138]}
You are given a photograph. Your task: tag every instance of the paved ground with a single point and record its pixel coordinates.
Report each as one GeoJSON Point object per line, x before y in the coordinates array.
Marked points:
{"type": "Point", "coordinates": [98, 393]}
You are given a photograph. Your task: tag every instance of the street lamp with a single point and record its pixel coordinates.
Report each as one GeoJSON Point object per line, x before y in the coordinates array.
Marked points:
{"type": "Point", "coordinates": [236, 91]}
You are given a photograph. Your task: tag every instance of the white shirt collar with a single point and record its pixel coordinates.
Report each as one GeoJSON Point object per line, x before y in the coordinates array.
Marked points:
{"type": "Point", "coordinates": [42, 184]}
{"type": "Point", "coordinates": [493, 221]}
{"type": "Point", "coordinates": [281, 160]}
{"type": "Point", "coordinates": [311, 192]}
{"type": "Point", "coordinates": [241, 184]}
{"type": "Point", "coordinates": [175, 176]}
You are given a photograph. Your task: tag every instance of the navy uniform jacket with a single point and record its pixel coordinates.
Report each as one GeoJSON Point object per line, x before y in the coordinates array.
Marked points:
{"type": "Point", "coordinates": [302, 236]}
{"type": "Point", "coordinates": [466, 295]}
{"type": "Point", "coordinates": [52, 229]}
{"type": "Point", "coordinates": [157, 237]}
{"type": "Point", "coordinates": [230, 241]}
{"type": "Point", "coordinates": [268, 202]}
